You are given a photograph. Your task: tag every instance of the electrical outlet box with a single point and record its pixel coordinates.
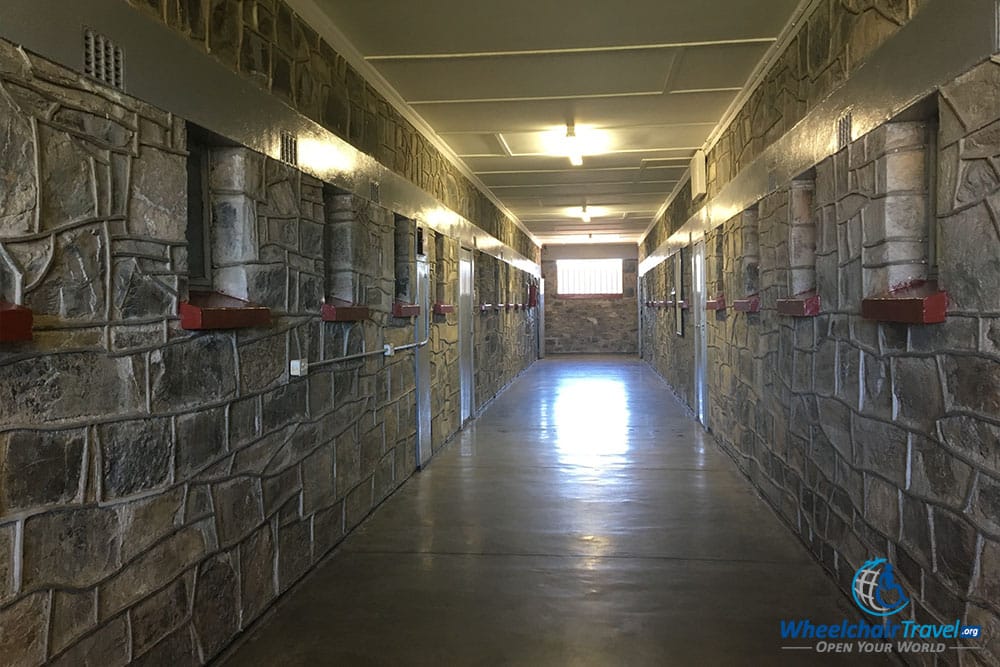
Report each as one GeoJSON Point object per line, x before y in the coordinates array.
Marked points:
{"type": "Point", "coordinates": [300, 367]}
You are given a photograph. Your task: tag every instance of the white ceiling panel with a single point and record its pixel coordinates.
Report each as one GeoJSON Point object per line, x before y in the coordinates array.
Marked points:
{"type": "Point", "coordinates": [490, 78]}
{"type": "Point", "coordinates": [561, 74]}
{"type": "Point", "coordinates": [476, 144]}
{"type": "Point", "coordinates": [582, 176]}
{"type": "Point", "coordinates": [486, 165]}
{"type": "Point", "coordinates": [601, 112]}
{"type": "Point", "coordinates": [630, 139]}
{"type": "Point", "coordinates": [393, 27]}
{"type": "Point", "coordinates": [718, 66]}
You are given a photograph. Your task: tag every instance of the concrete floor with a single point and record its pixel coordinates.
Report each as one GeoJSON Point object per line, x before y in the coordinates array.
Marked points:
{"type": "Point", "coordinates": [584, 519]}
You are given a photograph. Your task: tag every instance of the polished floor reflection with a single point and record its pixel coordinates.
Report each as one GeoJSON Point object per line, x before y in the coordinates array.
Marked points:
{"type": "Point", "coordinates": [584, 519]}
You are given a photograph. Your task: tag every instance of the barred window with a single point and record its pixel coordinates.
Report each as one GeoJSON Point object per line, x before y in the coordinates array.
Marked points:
{"type": "Point", "coordinates": [589, 277]}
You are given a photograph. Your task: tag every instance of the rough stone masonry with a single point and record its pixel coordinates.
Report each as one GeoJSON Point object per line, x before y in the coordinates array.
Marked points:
{"type": "Point", "coordinates": [160, 488]}
{"type": "Point", "coordinates": [870, 438]}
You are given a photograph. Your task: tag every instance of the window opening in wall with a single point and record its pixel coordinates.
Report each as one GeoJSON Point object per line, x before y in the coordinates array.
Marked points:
{"type": "Point", "coordinates": [198, 216]}
{"type": "Point", "coordinates": [404, 258]}
{"type": "Point", "coordinates": [589, 277]}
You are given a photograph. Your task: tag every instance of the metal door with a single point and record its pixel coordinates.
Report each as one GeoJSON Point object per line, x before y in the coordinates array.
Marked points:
{"type": "Point", "coordinates": [700, 333]}
{"type": "Point", "coordinates": [541, 318]}
{"type": "Point", "coordinates": [465, 339]}
{"type": "Point", "coordinates": [422, 359]}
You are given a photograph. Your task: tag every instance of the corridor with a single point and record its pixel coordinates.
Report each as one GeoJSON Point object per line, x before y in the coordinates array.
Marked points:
{"type": "Point", "coordinates": [583, 519]}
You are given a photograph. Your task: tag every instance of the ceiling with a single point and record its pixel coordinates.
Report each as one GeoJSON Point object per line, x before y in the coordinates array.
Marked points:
{"type": "Point", "coordinates": [500, 81]}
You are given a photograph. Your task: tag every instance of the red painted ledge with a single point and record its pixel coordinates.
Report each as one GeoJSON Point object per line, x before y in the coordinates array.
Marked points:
{"type": "Point", "coordinates": [214, 310]}
{"type": "Point", "coordinates": [15, 323]}
{"type": "Point", "coordinates": [683, 304]}
{"type": "Point", "coordinates": [918, 303]}
{"type": "Point", "coordinates": [400, 309]}
{"type": "Point", "coordinates": [718, 303]}
{"type": "Point", "coordinates": [338, 310]}
{"type": "Point", "coordinates": [443, 308]}
{"type": "Point", "coordinates": [485, 307]}
{"type": "Point", "coordinates": [806, 304]}
{"type": "Point", "coordinates": [751, 304]}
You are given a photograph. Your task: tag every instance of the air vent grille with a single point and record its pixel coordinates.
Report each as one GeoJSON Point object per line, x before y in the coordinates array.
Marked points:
{"type": "Point", "coordinates": [845, 129]}
{"type": "Point", "coordinates": [289, 148]}
{"type": "Point", "coordinates": [103, 59]}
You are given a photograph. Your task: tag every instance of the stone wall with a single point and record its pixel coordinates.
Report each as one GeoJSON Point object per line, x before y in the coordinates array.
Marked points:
{"type": "Point", "coordinates": [832, 42]}
{"type": "Point", "coordinates": [503, 338]}
{"type": "Point", "coordinates": [160, 488]}
{"type": "Point", "coordinates": [266, 42]}
{"type": "Point", "coordinates": [669, 352]}
{"type": "Point", "coordinates": [591, 325]}
{"type": "Point", "coordinates": [874, 438]}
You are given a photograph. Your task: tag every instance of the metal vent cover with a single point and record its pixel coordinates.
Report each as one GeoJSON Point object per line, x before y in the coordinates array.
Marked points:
{"type": "Point", "coordinates": [289, 148]}
{"type": "Point", "coordinates": [103, 60]}
{"type": "Point", "coordinates": [845, 129]}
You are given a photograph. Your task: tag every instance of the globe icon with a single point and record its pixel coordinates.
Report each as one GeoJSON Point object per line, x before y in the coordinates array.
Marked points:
{"type": "Point", "coordinates": [876, 590]}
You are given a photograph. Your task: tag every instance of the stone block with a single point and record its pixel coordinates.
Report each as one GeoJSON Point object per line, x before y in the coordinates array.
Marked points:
{"type": "Point", "coordinates": [263, 284]}
{"type": "Point", "coordinates": [972, 384]}
{"type": "Point", "coordinates": [938, 475]}
{"type": "Point", "coordinates": [19, 196]}
{"type": "Point", "coordinates": [284, 405]}
{"type": "Point", "coordinates": [196, 371]}
{"type": "Point", "coordinates": [880, 447]}
{"type": "Point", "coordinates": [234, 230]}
{"type": "Point", "coordinates": [916, 387]}
{"type": "Point", "coordinates": [277, 489]}
{"type": "Point", "coordinates": [155, 568]}
{"type": "Point", "coordinates": [975, 439]}
{"type": "Point", "coordinates": [136, 456]}
{"type": "Point", "coordinates": [988, 586]}
{"type": "Point", "coordinates": [177, 648]}
{"type": "Point", "coordinates": [216, 599]}
{"type": "Point", "coordinates": [67, 182]}
{"type": "Point", "coordinates": [74, 288]}
{"type": "Point", "coordinates": [238, 507]}
{"type": "Point", "coordinates": [986, 504]}
{"type": "Point", "coordinates": [158, 205]}
{"type": "Point", "coordinates": [40, 468]}
{"type": "Point", "coordinates": [109, 646]}
{"type": "Point", "coordinates": [73, 613]}
{"type": "Point", "coordinates": [294, 552]}
{"type": "Point", "coordinates": [257, 573]}
{"type": "Point", "coordinates": [201, 438]}
{"type": "Point", "coordinates": [135, 294]}
{"type": "Point", "coordinates": [882, 506]}
{"type": "Point", "coordinates": [975, 96]}
{"type": "Point", "coordinates": [955, 543]}
{"type": "Point", "coordinates": [87, 537]}
{"type": "Point", "coordinates": [145, 521]}
{"type": "Point", "coordinates": [22, 630]}
{"type": "Point", "coordinates": [244, 421]}
{"type": "Point", "coordinates": [317, 480]}
{"type": "Point", "coordinates": [155, 617]}
{"type": "Point", "coordinates": [876, 386]}
{"type": "Point", "coordinates": [969, 260]}
{"type": "Point", "coordinates": [233, 170]}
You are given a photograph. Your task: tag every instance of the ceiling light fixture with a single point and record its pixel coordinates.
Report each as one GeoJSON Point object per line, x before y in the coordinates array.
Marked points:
{"type": "Point", "coordinates": [584, 215]}
{"type": "Point", "coordinates": [574, 151]}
